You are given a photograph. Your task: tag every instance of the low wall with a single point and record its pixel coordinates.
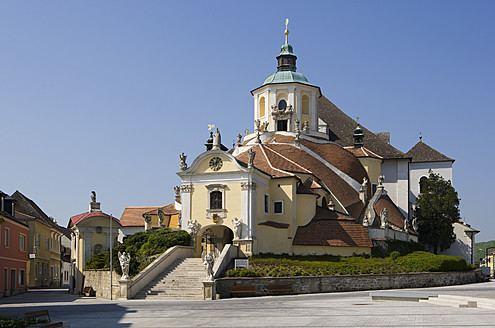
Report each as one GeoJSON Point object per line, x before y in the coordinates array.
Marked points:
{"type": "Point", "coordinates": [343, 283]}
{"type": "Point", "coordinates": [100, 281]}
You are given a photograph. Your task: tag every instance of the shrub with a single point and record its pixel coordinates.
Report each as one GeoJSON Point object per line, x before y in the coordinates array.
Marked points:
{"type": "Point", "coordinates": [428, 262]}
{"type": "Point", "coordinates": [394, 255]}
{"type": "Point", "coordinates": [11, 322]}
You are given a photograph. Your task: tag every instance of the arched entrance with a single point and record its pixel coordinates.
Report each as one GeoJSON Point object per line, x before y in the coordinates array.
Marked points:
{"type": "Point", "coordinates": [214, 238]}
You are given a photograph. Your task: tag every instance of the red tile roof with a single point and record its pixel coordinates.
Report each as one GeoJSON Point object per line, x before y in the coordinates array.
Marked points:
{"type": "Point", "coordinates": [395, 217]}
{"type": "Point", "coordinates": [83, 216]}
{"type": "Point", "coordinates": [330, 228]}
{"type": "Point", "coordinates": [167, 210]}
{"type": "Point", "coordinates": [133, 215]}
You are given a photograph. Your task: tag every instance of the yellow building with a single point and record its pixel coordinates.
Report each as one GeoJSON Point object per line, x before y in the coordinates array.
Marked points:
{"type": "Point", "coordinates": [43, 243]}
{"type": "Point", "coordinates": [92, 232]}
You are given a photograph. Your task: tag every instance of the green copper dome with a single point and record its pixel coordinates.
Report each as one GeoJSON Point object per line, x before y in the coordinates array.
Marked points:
{"type": "Point", "coordinates": [286, 69]}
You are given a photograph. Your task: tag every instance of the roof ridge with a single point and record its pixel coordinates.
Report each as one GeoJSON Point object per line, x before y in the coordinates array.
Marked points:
{"type": "Point", "coordinates": [270, 164]}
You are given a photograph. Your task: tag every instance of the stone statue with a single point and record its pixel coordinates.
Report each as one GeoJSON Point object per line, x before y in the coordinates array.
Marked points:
{"type": "Point", "coordinates": [415, 224]}
{"type": "Point", "coordinates": [237, 224]}
{"type": "Point", "coordinates": [93, 196]}
{"type": "Point", "coordinates": [365, 182]}
{"type": "Point", "coordinates": [239, 140]}
{"type": "Point", "coordinates": [246, 132]}
{"type": "Point", "coordinates": [147, 218]}
{"type": "Point", "coordinates": [179, 221]}
{"type": "Point", "coordinates": [405, 225]}
{"type": "Point", "coordinates": [297, 129]}
{"type": "Point", "coordinates": [257, 125]}
{"type": "Point", "coordinates": [366, 221]}
{"type": "Point", "coordinates": [305, 126]}
{"type": "Point", "coordinates": [265, 126]}
{"type": "Point", "coordinates": [177, 191]}
{"type": "Point", "coordinates": [384, 218]}
{"type": "Point", "coordinates": [161, 217]}
{"type": "Point", "coordinates": [251, 155]}
{"type": "Point", "coordinates": [192, 227]}
{"type": "Point", "coordinates": [217, 140]}
{"type": "Point", "coordinates": [125, 260]}
{"type": "Point", "coordinates": [208, 263]}
{"type": "Point", "coordinates": [183, 165]}
{"type": "Point", "coordinates": [381, 178]}
{"type": "Point", "coordinates": [258, 139]}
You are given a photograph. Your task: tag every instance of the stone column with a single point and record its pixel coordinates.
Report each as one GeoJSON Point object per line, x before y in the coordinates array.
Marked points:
{"type": "Point", "coordinates": [125, 285]}
{"type": "Point", "coordinates": [248, 207]}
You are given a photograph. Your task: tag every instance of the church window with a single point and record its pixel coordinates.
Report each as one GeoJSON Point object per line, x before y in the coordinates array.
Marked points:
{"type": "Point", "coordinates": [305, 105]}
{"type": "Point", "coordinates": [278, 207]}
{"type": "Point", "coordinates": [262, 107]}
{"type": "Point", "coordinates": [216, 200]}
{"type": "Point", "coordinates": [421, 184]}
{"type": "Point", "coordinates": [282, 104]}
{"type": "Point", "coordinates": [267, 204]}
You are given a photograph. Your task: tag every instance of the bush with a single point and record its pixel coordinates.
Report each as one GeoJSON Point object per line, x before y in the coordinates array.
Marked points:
{"type": "Point", "coordinates": [141, 246]}
{"type": "Point", "coordinates": [11, 322]}
{"type": "Point", "coordinates": [394, 255]}
{"type": "Point", "coordinates": [428, 262]}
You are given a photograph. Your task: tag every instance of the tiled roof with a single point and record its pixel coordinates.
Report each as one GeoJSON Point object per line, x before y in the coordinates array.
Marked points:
{"type": "Point", "coordinates": [330, 228]}
{"type": "Point", "coordinates": [342, 130]}
{"type": "Point", "coordinates": [27, 206]}
{"type": "Point", "coordinates": [283, 160]}
{"type": "Point", "coordinates": [133, 215]}
{"type": "Point", "coordinates": [421, 152]}
{"type": "Point", "coordinates": [83, 216]}
{"type": "Point", "coordinates": [362, 152]}
{"type": "Point", "coordinates": [395, 217]}
{"type": "Point", "coordinates": [167, 210]}
{"type": "Point", "coordinates": [302, 188]}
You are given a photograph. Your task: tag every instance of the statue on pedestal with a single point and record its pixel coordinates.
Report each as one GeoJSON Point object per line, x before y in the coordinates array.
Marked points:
{"type": "Point", "coordinates": [384, 218]}
{"type": "Point", "coordinates": [183, 165]}
{"type": "Point", "coordinates": [125, 260]}
{"type": "Point", "coordinates": [237, 224]}
{"type": "Point", "coordinates": [208, 263]}
{"type": "Point", "coordinates": [192, 227]}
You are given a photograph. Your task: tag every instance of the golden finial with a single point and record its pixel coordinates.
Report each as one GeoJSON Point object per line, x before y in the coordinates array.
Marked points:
{"type": "Point", "coordinates": [210, 126]}
{"type": "Point", "coordinates": [357, 120]}
{"type": "Point", "coordinates": [286, 31]}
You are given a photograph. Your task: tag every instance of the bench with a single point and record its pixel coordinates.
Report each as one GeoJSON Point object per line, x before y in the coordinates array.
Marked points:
{"type": "Point", "coordinates": [244, 290]}
{"type": "Point", "coordinates": [279, 288]}
{"type": "Point", "coordinates": [88, 291]}
{"type": "Point", "coordinates": [40, 319]}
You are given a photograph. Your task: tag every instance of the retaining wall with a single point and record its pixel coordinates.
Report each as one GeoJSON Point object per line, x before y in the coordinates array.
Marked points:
{"type": "Point", "coordinates": [327, 284]}
{"type": "Point", "coordinates": [100, 281]}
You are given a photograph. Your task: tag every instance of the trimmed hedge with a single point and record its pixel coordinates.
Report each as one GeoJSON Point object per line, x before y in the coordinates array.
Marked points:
{"type": "Point", "coordinates": [292, 266]}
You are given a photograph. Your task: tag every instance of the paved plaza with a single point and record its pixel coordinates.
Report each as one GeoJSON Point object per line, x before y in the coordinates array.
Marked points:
{"type": "Point", "coordinates": [352, 309]}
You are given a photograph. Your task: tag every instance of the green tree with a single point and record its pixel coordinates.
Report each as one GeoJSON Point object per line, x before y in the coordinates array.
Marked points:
{"type": "Point", "coordinates": [437, 208]}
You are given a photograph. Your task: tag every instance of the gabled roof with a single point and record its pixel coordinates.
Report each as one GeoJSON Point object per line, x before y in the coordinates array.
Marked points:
{"type": "Point", "coordinates": [83, 216]}
{"type": "Point", "coordinates": [331, 228]}
{"type": "Point", "coordinates": [421, 152]}
{"type": "Point", "coordinates": [30, 208]}
{"type": "Point", "coordinates": [341, 130]}
{"type": "Point", "coordinates": [133, 215]}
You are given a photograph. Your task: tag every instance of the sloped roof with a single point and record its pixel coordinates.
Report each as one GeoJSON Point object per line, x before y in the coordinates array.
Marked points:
{"type": "Point", "coordinates": [331, 228]}
{"type": "Point", "coordinates": [421, 152]}
{"type": "Point", "coordinates": [342, 128]}
{"type": "Point", "coordinates": [133, 215]}
{"type": "Point", "coordinates": [284, 160]}
{"type": "Point", "coordinates": [167, 210]}
{"type": "Point", "coordinates": [362, 152]}
{"type": "Point", "coordinates": [83, 216]}
{"type": "Point", "coordinates": [395, 216]}
{"type": "Point", "coordinates": [29, 207]}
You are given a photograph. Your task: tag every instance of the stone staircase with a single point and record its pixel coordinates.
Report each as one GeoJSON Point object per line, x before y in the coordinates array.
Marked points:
{"type": "Point", "coordinates": [181, 281]}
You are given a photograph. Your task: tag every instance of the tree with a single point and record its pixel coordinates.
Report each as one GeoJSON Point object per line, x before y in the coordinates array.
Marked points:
{"type": "Point", "coordinates": [437, 208]}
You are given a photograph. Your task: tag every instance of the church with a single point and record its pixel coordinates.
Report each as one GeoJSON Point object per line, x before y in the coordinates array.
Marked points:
{"type": "Point", "coordinates": [307, 180]}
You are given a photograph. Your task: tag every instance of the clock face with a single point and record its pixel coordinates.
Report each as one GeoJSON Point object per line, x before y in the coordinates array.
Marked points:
{"type": "Point", "coordinates": [216, 163]}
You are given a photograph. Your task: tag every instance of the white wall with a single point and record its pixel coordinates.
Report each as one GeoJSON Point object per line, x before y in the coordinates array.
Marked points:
{"type": "Point", "coordinates": [396, 172]}
{"type": "Point", "coordinates": [419, 170]}
{"type": "Point", "coordinates": [463, 243]}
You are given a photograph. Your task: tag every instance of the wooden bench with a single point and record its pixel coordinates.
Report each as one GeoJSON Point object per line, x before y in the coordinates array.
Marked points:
{"type": "Point", "coordinates": [88, 291]}
{"type": "Point", "coordinates": [40, 319]}
{"type": "Point", "coordinates": [279, 288]}
{"type": "Point", "coordinates": [243, 290]}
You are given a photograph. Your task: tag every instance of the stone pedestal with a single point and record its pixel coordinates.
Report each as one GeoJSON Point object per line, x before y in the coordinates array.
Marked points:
{"type": "Point", "coordinates": [125, 284]}
{"type": "Point", "coordinates": [245, 246]}
{"type": "Point", "coordinates": [209, 290]}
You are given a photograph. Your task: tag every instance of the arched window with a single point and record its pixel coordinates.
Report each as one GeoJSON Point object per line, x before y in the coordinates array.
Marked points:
{"type": "Point", "coordinates": [422, 187]}
{"type": "Point", "coordinates": [216, 200]}
{"type": "Point", "coordinates": [305, 105]}
{"type": "Point", "coordinates": [262, 106]}
{"type": "Point", "coordinates": [282, 104]}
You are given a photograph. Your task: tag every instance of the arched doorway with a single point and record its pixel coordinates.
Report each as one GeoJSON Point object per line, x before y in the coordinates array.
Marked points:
{"type": "Point", "coordinates": [214, 238]}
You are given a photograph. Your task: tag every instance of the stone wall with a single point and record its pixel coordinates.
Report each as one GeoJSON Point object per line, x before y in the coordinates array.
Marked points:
{"type": "Point", "coordinates": [326, 284]}
{"type": "Point", "coordinates": [100, 281]}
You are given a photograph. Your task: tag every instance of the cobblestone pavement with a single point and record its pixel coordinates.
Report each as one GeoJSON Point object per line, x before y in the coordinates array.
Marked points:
{"type": "Point", "coordinates": [352, 309]}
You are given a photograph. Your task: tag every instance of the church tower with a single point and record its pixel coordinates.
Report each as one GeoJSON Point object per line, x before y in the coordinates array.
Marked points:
{"type": "Point", "coordinates": [286, 97]}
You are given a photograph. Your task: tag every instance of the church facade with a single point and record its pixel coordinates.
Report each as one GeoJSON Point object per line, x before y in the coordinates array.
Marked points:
{"type": "Point", "coordinates": [307, 180]}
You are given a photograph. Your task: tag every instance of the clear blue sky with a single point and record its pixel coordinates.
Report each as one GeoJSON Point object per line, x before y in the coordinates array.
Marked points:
{"type": "Point", "coordinates": [105, 95]}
